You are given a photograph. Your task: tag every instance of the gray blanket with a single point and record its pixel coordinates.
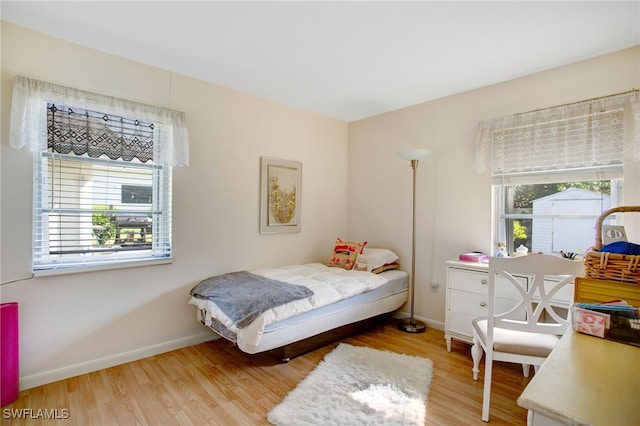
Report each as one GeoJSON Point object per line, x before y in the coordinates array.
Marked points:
{"type": "Point", "coordinates": [242, 296]}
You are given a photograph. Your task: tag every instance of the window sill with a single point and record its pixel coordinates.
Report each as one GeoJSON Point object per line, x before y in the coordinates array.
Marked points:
{"type": "Point", "coordinates": [95, 268]}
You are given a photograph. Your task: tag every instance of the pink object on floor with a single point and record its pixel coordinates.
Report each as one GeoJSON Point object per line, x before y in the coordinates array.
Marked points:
{"type": "Point", "coordinates": [9, 356]}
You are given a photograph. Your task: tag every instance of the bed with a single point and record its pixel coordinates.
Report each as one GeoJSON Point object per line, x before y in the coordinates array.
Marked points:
{"type": "Point", "coordinates": [339, 301]}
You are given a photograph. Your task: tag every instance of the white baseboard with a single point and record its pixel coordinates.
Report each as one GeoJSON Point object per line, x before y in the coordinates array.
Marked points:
{"type": "Point", "coordinates": [438, 325]}
{"type": "Point", "coordinates": [33, 380]}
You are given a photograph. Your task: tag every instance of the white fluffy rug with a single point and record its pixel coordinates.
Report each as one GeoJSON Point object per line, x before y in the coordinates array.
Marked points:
{"type": "Point", "coordinates": [356, 385]}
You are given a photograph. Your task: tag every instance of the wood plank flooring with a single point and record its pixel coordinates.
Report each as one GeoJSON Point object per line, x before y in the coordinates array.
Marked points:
{"type": "Point", "coordinates": [214, 383]}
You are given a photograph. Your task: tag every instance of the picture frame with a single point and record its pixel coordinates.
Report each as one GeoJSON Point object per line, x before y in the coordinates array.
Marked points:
{"type": "Point", "coordinates": [280, 195]}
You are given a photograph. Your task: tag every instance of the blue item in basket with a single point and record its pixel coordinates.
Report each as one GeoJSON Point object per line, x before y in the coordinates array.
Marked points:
{"type": "Point", "coordinates": [622, 247]}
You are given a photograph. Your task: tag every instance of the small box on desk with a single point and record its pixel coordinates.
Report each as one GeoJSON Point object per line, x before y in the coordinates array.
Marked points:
{"type": "Point", "coordinates": [475, 256]}
{"type": "Point", "coordinates": [606, 321]}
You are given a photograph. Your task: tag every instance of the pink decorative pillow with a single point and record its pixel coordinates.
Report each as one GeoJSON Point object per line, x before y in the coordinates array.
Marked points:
{"type": "Point", "coordinates": [345, 253]}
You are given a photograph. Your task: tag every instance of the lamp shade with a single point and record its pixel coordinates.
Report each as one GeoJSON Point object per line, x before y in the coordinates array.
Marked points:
{"type": "Point", "coordinates": [414, 154]}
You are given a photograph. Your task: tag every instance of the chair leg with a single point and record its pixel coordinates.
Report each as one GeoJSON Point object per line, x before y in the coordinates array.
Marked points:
{"type": "Point", "coordinates": [529, 418]}
{"type": "Point", "coordinates": [476, 354]}
{"type": "Point", "coordinates": [526, 368]}
{"type": "Point", "coordinates": [486, 396]}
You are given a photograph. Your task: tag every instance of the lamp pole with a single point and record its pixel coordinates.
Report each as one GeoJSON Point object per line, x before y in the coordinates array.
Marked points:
{"type": "Point", "coordinates": [410, 325]}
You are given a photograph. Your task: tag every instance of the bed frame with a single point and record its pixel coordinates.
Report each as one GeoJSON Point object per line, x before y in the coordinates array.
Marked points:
{"type": "Point", "coordinates": [309, 344]}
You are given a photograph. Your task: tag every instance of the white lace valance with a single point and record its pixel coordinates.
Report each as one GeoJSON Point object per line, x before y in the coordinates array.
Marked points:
{"type": "Point", "coordinates": [28, 126]}
{"type": "Point", "coordinates": [592, 133]}
{"type": "Point", "coordinates": [95, 134]}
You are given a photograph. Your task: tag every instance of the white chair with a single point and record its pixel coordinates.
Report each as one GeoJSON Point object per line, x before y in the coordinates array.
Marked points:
{"type": "Point", "coordinates": [523, 323]}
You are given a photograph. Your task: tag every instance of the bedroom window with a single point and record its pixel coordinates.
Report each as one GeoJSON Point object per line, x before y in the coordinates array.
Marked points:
{"type": "Point", "coordinates": [554, 171]}
{"type": "Point", "coordinates": [102, 182]}
{"type": "Point", "coordinates": [553, 217]}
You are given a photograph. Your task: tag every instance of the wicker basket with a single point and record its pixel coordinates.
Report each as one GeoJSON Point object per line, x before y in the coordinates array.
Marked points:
{"type": "Point", "coordinates": [612, 266]}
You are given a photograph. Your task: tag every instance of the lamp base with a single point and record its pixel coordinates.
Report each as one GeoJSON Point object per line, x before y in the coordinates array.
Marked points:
{"type": "Point", "coordinates": [410, 325]}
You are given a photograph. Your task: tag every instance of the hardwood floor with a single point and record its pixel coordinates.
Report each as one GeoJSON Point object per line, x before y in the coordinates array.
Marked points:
{"type": "Point", "coordinates": [214, 383]}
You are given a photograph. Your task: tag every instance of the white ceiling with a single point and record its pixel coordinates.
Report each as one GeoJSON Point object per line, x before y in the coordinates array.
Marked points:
{"type": "Point", "coordinates": [346, 60]}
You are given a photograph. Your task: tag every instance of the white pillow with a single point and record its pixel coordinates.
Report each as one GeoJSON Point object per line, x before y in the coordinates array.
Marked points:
{"type": "Point", "coordinates": [373, 258]}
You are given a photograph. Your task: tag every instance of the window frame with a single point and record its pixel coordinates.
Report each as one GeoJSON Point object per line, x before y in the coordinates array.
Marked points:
{"type": "Point", "coordinates": [500, 218]}
{"type": "Point", "coordinates": [160, 251]}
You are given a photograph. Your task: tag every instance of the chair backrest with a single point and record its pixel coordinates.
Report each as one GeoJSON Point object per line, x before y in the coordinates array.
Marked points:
{"type": "Point", "coordinates": [535, 311]}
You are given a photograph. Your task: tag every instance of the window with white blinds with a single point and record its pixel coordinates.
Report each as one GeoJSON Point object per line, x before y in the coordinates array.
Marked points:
{"type": "Point", "coordinates": [555, 170]}
{"type": "Point", "coordinates": [99, 196]}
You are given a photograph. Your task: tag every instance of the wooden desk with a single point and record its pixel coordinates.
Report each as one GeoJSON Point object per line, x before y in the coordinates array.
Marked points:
{"type": "Point", "coordinates": [586, 380]}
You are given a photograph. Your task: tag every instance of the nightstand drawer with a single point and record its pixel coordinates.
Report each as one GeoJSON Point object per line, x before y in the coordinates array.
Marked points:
{"type": "Point", "coordinates": [476, 304]}
{"type": "Point", "coordinates": [463, 279]}
{"type": "Point", "coordinates": [477, 282]}
{"type": "Point", "coordinates": [464, 307]}
{"type": "Point", "coordinates": [459, 326]}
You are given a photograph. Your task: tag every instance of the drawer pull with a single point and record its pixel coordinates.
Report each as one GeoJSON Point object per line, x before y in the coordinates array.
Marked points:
{"type": "Point", "coordinates": [484, 282]}
{"type": "Point", "coordinates": [483, 304]}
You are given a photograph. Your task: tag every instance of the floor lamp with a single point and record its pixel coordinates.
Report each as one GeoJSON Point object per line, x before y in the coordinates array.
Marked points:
{"type": "Point", "coordinates": [410, 325]}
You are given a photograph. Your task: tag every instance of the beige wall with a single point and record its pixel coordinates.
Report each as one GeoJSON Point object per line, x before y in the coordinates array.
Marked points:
{"type": "Point", "coordinates": [453, 212]}
{"type": "Point", "coordinates": [80, 322]}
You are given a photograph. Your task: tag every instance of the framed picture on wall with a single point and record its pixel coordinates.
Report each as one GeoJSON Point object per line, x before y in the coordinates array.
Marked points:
{"type": "Point", "coordinates": [280, 191]}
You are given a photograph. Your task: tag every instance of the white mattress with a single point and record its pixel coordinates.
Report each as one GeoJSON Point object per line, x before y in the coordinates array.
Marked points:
{"type": "Point", "coordinates": [384, 299]}
{"type": "Point", "coordinates": [262, 336]}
